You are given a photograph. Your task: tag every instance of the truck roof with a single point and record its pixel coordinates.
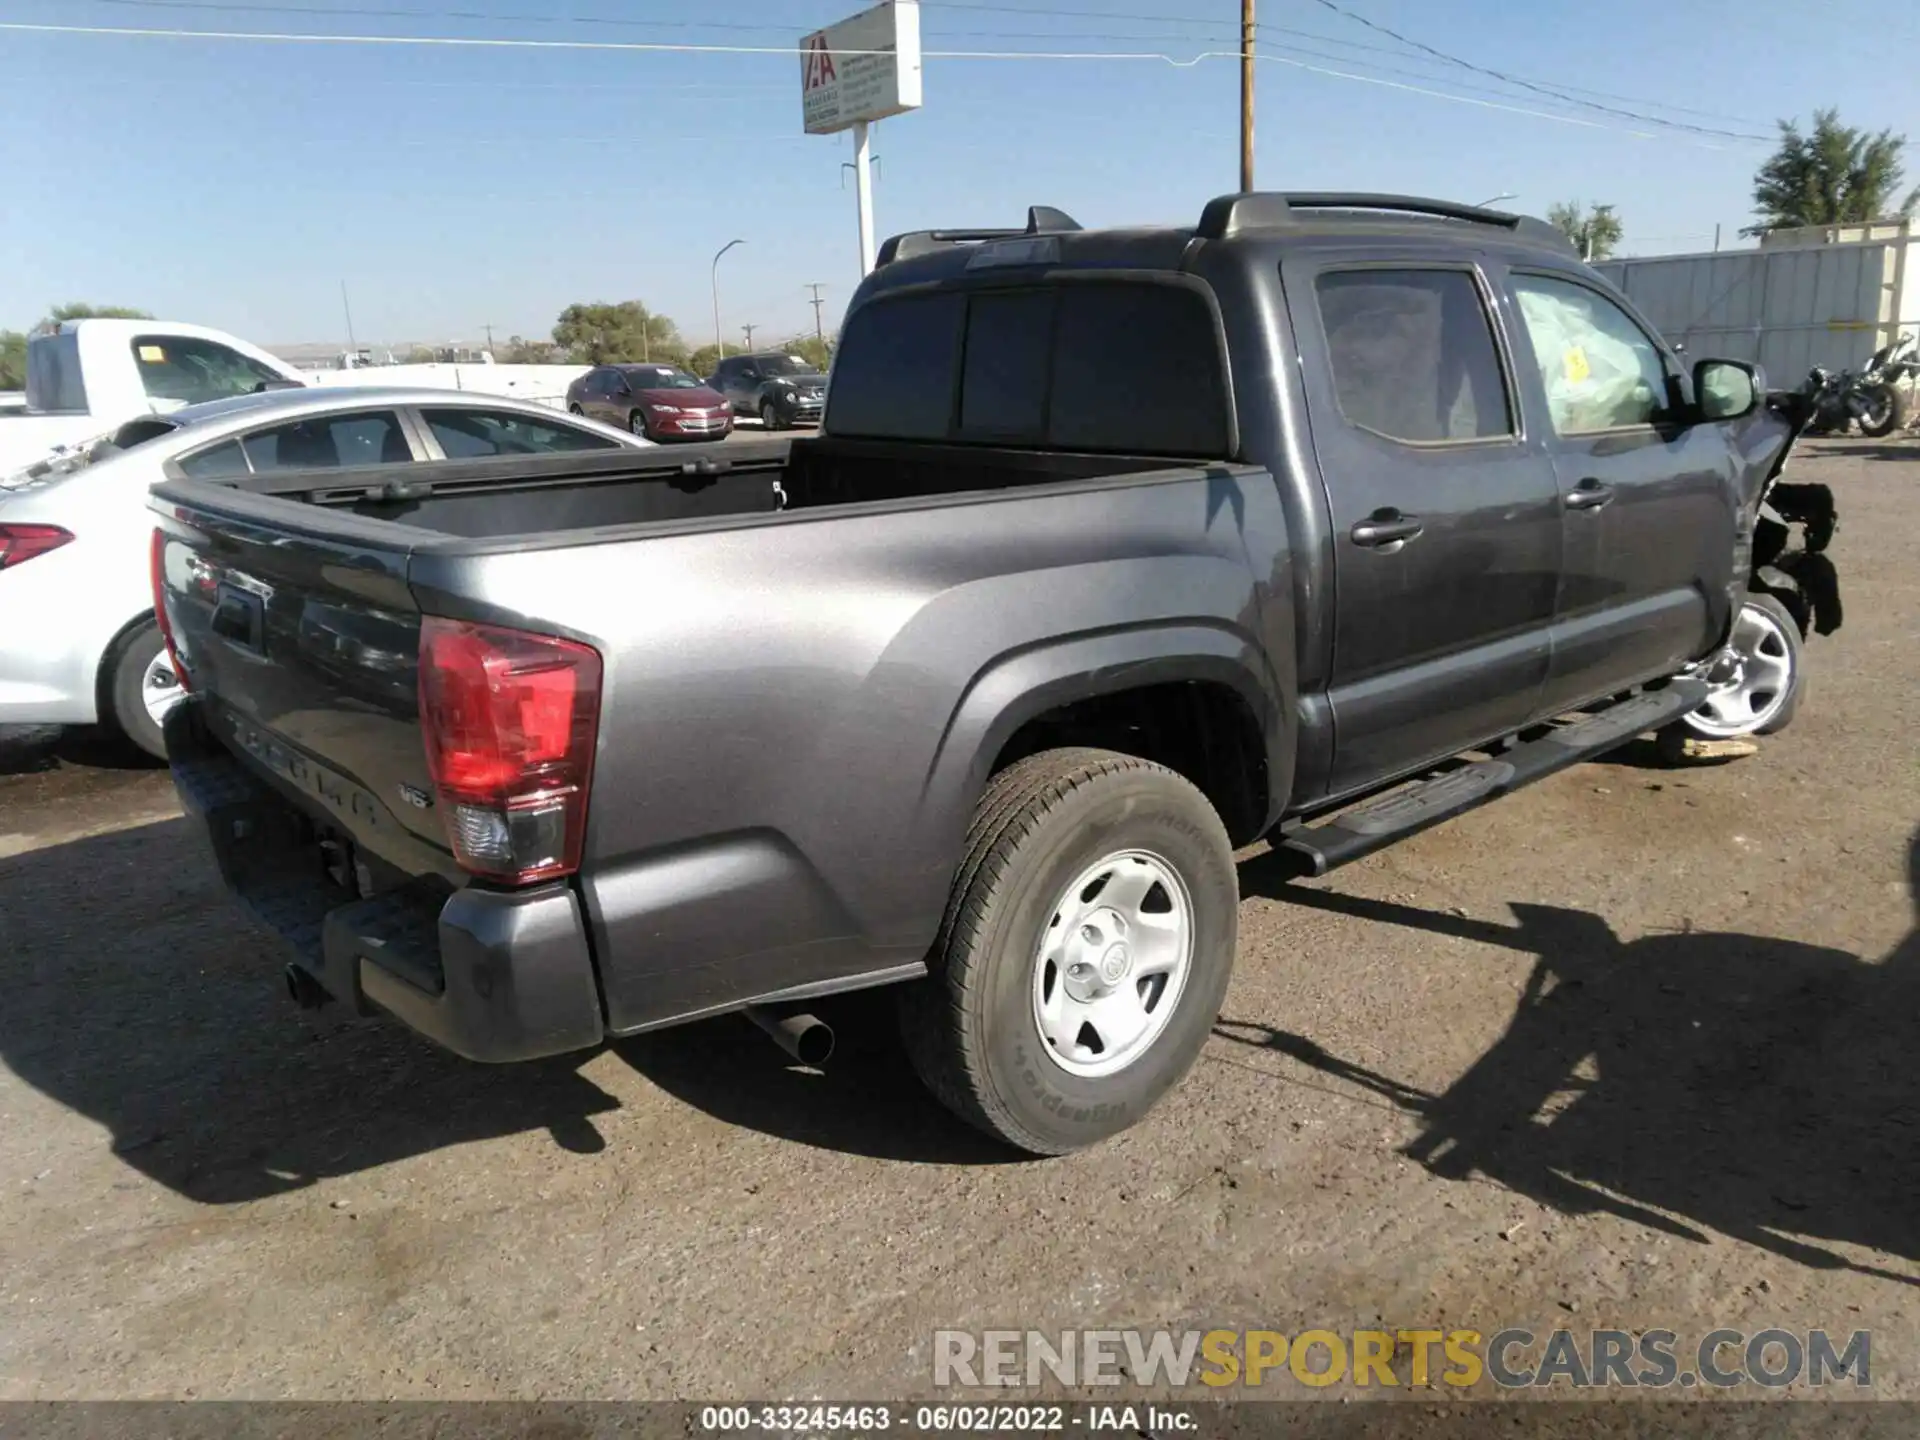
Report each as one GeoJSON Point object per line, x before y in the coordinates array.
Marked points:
{"type": "Point", "coordinates": [1053, 237]}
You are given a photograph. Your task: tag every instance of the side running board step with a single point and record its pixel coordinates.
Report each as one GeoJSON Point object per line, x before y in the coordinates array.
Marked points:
{"type": "Point", "coordinates": [1377, 823]}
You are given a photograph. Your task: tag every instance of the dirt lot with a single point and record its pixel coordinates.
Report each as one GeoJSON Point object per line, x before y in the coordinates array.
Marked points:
{"type": "Point", "coordinates": [1634, 1048]}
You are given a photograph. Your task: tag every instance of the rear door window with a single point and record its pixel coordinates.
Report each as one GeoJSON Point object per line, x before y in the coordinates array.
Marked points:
{"type": "Point", "coordinates": [191, 370]}
{"type": "Point", "coordinates": [474, 434]}
{"type": "Point", "coordinates": [1413, 355]}
{"type": "Point", "coordinates": [330, 442]}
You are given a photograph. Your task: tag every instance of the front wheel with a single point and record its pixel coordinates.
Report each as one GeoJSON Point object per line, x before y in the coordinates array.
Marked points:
{"type": "Point", "coordinates": [1084, 954]}
{"type": "Point", "coordinates": [1885, 410]}
{"type": "Point", "coordinates": [575, 410]}
{"type": "Point", "coordinates": [769, 416]}
{"type": "Point", "coordinates": [1757, 683]}
{"type": "Point", "coordinates": [637, 423]}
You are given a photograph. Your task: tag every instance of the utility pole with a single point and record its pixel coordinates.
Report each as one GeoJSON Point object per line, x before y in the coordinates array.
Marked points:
{"type": "Point", "coordinates": [749, 330]}
{"type": "Point", "coordinates": [1246, 94]}
{"type": "Point", "coordinates": [1716, 239]}
{"type": "Point", "coordinates": [489, 330]}
{"type": "Point", "coordinates": [818, 333]}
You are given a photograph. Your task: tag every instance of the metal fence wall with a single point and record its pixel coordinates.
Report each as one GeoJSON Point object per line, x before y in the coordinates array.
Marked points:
{"type": "Point", "coordinates": [1789, 308]}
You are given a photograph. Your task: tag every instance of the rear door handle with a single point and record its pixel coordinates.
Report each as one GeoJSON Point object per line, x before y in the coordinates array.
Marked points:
{"type": "Point", "coordinates": [1385, 528]}
{"type": "Point", "coordinates": [1589, 495]}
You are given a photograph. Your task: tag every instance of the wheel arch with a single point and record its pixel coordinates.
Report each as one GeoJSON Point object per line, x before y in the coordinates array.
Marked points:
{"type": "Point", "coordinates": [109, 660]}
{"type": "Point", "coordinates": [1120, 690]}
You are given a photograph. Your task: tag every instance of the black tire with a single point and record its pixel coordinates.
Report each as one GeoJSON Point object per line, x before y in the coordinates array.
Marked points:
{"type": "Point", "coordinates": [769, 416]}
{"type": "Point", "coordinates": [637, 424]}
{"type": "Point", "coordinates": [123, 710]}
{"type": "Point", "coordinates": [970, 1026]}
{"type": "Point", "coordinates": [1891, 405]}
{"type": "Point", "coordinates": [1797, 687]}
{"type": "Point", "coordinates": [575, 410]}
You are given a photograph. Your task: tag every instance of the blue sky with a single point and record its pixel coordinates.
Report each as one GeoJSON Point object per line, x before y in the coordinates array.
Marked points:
{"type": "Point", "coordinates": [238, 183]}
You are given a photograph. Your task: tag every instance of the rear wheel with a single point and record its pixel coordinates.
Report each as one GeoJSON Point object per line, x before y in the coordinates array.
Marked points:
{"type": "Point", "coordinates": [1756, 687]}
{"type": "Point", "coordinates": [1084, 954]}
{"type": "Point", "coordinates": [1885, 412]}
{"type": "Point", "coordinates": [140, 688]}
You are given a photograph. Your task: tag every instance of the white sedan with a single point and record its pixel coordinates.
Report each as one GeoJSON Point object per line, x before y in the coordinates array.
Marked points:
{"type": "Point", "coordinates": [78, 644]}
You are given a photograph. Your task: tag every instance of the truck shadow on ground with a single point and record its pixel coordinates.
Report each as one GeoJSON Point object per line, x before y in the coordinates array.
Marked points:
{"type": "Point", "coordinates": [866, 1100]}
{"type": "Point", "coordinates": [1693, 1082]}
{"type": "Point", "coordinates": [135, 995]}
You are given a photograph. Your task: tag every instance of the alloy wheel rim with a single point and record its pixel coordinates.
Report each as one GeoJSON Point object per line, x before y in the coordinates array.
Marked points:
{"type": "Point", "coordinates": [1754, 688]}
{"type": "Point", "coordinates": [1110, 968]}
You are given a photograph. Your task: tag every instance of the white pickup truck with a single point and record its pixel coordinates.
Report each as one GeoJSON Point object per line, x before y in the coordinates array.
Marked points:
{"type": "Point", "coordinates": [86, 378]}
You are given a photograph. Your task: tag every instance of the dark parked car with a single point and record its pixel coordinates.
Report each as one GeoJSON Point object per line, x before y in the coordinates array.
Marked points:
{"type": "Point", "coordinates": [781, 390]}
{"type": "Point", "coordinates": [977, 692]}
{"type": "Point", "coordinates": [661, 402]}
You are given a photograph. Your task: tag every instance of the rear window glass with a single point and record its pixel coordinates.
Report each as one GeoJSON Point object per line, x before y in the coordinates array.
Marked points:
{"type": "Point", "coordinates": [1137, 368]}
{"type": "Point", "coordinates": [220, 461]}
{"type": "Point", "coordinates": [893, 377]}
{"type": "Point", "coordinates": [1095, 365]}
{"type": "Point", "coordinates": [1004, 390]}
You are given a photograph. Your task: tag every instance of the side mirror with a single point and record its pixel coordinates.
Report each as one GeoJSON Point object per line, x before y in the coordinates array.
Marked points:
{"type": "Point", "coordinates": [1726, 390]}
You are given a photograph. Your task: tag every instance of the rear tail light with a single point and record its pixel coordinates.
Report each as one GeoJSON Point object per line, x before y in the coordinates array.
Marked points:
{"type": "Point", "coordinates": [510, 720]}
{"type": "Point", "coordinates": [20, 543]}
{"type": "Point", "coordinates": [157, 566]}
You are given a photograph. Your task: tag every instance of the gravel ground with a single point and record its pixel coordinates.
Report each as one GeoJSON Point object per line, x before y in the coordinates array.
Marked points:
{"type": "Point", "coordinates": [1631, 1049]}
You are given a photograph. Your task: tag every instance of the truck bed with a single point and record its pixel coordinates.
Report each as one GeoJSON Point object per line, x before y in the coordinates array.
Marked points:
{"type": "Point", "coordinates": [810, 650]}
{"type": "Point", "coordinates": [523, 500]}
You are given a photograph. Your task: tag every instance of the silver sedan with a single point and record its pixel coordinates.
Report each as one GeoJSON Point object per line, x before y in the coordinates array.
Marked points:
{"type": "Point", "coordinates": [78, 644]}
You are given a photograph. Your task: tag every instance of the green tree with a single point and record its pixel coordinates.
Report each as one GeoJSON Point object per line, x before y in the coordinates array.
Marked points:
{"type": "Point", "coordinates": [602, 334]}
{"type": "Point", "coordinates": [421, 355]}
{"type": "Point", "coordinates": [811, 348]}
{"type": "Point", "coordinates": [706, 359]}
{"type": "Point", "coordinates": [527, 352]}
{"type": "Point", "coordinates": [13, 360]}
{"type": "Point", "coordinates": [1595, 233]}
{"type": "Point", "coordinates": [1835, 175]}
{"type": "Point", "coordinates": [79, 311]}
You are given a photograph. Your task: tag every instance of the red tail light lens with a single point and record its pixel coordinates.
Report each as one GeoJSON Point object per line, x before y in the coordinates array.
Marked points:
{"type": "Point", "coordinates": [20, 543]}
{"type": "Point", "coordinates": [157, 569]}
{"type": "Point", "coordinates": [510, 720]}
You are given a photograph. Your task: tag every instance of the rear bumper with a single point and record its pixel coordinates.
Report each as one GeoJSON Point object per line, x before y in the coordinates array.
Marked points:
{"type": "Point", "coordinates": [492, 975]}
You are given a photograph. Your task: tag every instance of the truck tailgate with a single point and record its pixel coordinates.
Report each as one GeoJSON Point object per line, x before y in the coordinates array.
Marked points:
{"type": "Point", "coordinates": [303, 649]}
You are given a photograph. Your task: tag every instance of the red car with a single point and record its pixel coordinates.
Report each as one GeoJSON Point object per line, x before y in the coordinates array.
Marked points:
{"type": "Point", "coordinates": [660, 402]}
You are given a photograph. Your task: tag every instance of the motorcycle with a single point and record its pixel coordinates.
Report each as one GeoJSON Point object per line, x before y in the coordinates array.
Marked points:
{"type": "Point", "coordinates": [1878, 398]}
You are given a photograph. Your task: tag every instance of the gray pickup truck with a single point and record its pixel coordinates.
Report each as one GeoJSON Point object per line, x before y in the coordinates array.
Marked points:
{"type": "Point", "coordinates": [1323, 519]}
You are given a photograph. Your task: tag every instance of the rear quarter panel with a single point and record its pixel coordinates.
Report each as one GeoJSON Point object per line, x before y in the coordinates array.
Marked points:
{"type": "Point", "coordinates": [799, 714]}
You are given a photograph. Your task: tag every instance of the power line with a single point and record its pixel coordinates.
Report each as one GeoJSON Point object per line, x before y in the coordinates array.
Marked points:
{"type": "Point", "coordinates": [1570, 94]}
{"type": "Point", "coordinates": [1546, 90]}
{"type": "Point", "coordinates": [665, 47]}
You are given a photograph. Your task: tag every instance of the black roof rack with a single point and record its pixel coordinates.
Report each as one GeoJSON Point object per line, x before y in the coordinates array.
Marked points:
{"type": "Point", "coordinates": [1233, 214]}
{"type": "Point", "coordinates": [1041, 220]}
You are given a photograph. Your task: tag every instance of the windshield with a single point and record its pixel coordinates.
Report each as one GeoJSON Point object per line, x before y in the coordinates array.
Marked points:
{"type": "Point", "coordinates": [785, 365]}
{"type": "Point", "coordinates": [660, 377]}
